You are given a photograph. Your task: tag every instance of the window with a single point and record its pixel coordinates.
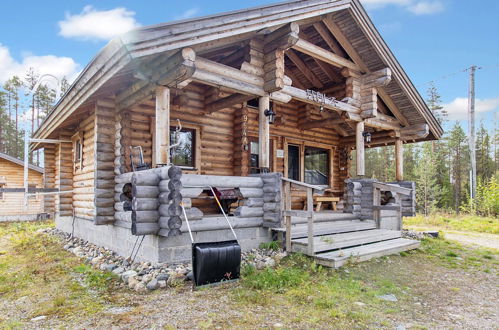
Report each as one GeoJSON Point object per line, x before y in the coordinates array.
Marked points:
{"type": "Point", "coordinates": [183, 153]}
{"type": "Point", "coordinates": [254, 166]}
{"type": "Point", "coordinates": [316, 166]}
{"type": "Point", "coordinates": [294, 162]}
{"type": "Point", "coordinates": [77, 151]}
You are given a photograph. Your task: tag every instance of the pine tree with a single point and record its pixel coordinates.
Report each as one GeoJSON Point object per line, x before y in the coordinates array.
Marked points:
{"type": "Point", "coordinates": [427, 189]}
{"type": "Point", "coordinates": [485, 163]}
{"type": "Point", "coordinates": [459, 161]}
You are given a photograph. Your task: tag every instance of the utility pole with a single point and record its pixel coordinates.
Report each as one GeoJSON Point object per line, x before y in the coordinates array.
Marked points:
{"type": "Point", "coordinates": [471, 124]}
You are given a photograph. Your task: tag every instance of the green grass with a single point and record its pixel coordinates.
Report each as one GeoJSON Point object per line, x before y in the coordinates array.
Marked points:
{"type": "Point", "coordinates": [272, 245]}
{"type": "Point", "coordinates": [49, 280]}
{"type": "Point", "coordinates": [470, 223]}
{"type": "Point", "coordinates": [454, 255]}
{"type": "Point", "coordinates": [319, 295]}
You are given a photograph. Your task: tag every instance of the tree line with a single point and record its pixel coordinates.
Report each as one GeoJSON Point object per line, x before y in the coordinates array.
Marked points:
{"type": "Point", "coordinates": [23, 109]}
{"type": "Point", "coordinates": [441, 169]}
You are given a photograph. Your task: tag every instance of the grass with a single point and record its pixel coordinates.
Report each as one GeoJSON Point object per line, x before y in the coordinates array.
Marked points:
{"type": "Point", "coordinates": [454, 255]}
{"type": "Point", "coordinates": [47, 280]}
{"type": "Point", "coordinates": [470, 223]}
{"type": "Point", "coordinates": [307, 291]}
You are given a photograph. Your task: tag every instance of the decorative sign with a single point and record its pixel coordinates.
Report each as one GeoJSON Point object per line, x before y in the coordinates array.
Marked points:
{"type": "Point", "coordinates": [318, 97]}
{"type": "Point", "coordinates": [280, 153]}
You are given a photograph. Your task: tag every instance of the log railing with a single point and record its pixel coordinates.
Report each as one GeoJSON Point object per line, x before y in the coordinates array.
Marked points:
{"type": "Point", "coordinates": [378, 187]}
{"type": "Point", "coordinates": [309, 213]}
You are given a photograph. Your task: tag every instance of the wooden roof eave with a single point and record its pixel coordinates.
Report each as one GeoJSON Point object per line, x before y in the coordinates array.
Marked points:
{"type": "Point", "coordinates": [399, 74]}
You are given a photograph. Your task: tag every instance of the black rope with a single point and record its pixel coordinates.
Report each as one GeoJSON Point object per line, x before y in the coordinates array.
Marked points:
{"type": "Point", "coordinates": [138, 248]}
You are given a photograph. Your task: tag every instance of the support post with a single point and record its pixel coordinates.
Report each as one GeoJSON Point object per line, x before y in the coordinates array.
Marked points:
{"type": "Point", "coordinates": [263, 133]}
{"type": "Point", "coordinates": [162, 125]}
{"type": "Point", "coordinates": [359, 141]}
{"type": "Point", "coordinates": [26, 164]}
{"type": "Point", "coordinates": [310, 221]}
{"type": "Point", "coordinates": [399, 160]}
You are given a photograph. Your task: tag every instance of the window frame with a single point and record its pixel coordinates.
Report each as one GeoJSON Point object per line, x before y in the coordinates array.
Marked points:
{"type": "Point", "coordinates": [327, 165]}
{"type": "Point", "coordinates": [77, 139]}
{"type": "Point", "coordinates": [196, 146]}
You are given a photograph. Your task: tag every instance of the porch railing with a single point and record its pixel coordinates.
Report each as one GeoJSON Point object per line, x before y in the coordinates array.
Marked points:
{"type": "Point", "coordinates": [308, 213]}
{"type": "Point", "coordinates": [378, 187]}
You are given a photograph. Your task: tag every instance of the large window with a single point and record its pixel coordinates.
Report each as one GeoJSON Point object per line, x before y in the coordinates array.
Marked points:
{"type": "Point", "coordinates": [254, 166]}
{"type": "Point", "coordinates": [183, 153]}
{"type": "Point", "coordinates": [316, 166]}
{"type": "Point", "coordinates": [77, 151]}
{"type": "Point", "coordinates": [294, 162]}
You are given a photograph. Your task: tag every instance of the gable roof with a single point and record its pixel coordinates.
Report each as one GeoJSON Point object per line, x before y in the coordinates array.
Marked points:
{"type": "Point", "coordinates": [20, 162]}
{"type": "Point", "coordinates": [121, 56]}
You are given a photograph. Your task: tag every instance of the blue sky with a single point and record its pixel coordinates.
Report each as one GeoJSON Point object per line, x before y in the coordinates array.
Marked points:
{"type": "Point", "coordinates": [433, 39]}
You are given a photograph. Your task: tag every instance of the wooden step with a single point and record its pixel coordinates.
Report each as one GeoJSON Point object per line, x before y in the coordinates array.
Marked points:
{"type": "Point", "coordinates": [327, 228]}
{"type": "Point", "coordinates": [338, 258]}
{"type": "Point", "coordinates": [326, 217]}
{"type": "Point", "coordinates": [344, 240]}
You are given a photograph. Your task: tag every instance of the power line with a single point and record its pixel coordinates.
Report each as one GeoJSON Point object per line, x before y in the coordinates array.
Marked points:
{"type": "Point", "coordinates": [450, 75]}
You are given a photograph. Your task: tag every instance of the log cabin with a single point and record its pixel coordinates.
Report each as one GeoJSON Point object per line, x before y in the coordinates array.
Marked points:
{"type": "Point", "coordinates": [12, 204]}
{"type": "Point", "coordinates": [265, 106]}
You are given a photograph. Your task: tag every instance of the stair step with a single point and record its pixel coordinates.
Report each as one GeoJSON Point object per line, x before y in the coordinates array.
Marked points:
{"type": "Point", "coordinates": [344, 240]}
{"type": "Point", "coordinates": [326, 217]}
{"type": "Point", "coordinates": [338, 258]}
{"type": "Point", "coordinates": [334, 227]}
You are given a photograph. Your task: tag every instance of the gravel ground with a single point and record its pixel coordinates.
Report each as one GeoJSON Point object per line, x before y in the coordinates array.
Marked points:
{"type": "Point", "coordinates": [490, 241]}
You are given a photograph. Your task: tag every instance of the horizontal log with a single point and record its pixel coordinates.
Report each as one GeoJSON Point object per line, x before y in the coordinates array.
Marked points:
{"type": "Point", "coordinates": [123, 206]}
{"type": "Point", "coordinates": [145, 204]}
{"type": "Point", "coordinates": [194, 180]}
{"type": "Point", "coordinates": [145, 178]}
{"type": "Point", "coordinates": [101, 220]}
{"type": "Point", "coordinates": [251, 192]}
{"type": "Point", "coordinates": [248, 212]}
{"type": "Point", "coordinates": [145, 191]}
{"type": "Point", "coordinates": [254, 202]}
{"type": "Point", "coordinates": [140, 229]}
{"type": "Point", "coordinates": [123, 216]}
{"type": "Point", "coordinates": [145, 216]}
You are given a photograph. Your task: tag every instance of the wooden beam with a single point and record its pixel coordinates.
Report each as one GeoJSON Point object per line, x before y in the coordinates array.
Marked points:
{"type": "Point", "coordinates": [330, 73]}
{"type": "Point", "coordinates": [162, 125]}
{"type": "Point", "coordinates": [352, 53]}
{"type": "Point", "coordinates": [295, 79]}
{"type": "Point", "coordinates": [359, 142]}
{"type": "Point", "coordinates": [331, 42]}
{"type": "Point", "coordinates": [399, 160]}
{"type": "Point", "coordinates": [176, 70]}
{"type": "Point", "coordinates": [302, 95]}
{"type": "Point", "coordinates": [227, 102]}
{"type": "Point", "coordinates": [324, 55]}
{"type": "Point", "coordinates": [263, 133]}
{"type": "Point", "coordinates": [311, 77]}
{"type": "Point", "coordinates": [380, 124]}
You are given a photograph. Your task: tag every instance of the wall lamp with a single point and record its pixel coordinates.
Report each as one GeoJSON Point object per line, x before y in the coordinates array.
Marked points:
{"type": "Point", "coordinates": [271, 115]}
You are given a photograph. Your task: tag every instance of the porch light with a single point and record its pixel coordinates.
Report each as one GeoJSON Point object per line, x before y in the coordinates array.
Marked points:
{"type": "Point", "coordinates": [367, 137]}
{"type": "Point", "coordinates": [271, 115]}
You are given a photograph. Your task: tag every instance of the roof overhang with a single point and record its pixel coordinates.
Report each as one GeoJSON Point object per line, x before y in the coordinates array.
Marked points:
{"type": "Point", "coordinates": [210, 32]}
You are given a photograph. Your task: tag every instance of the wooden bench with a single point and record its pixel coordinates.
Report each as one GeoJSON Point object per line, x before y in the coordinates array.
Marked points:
{"type": "Point", "coordinates": [318, 200]}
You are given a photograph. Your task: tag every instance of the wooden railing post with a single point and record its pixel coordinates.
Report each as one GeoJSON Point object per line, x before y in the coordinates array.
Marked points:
{"type": "Point", "coordinates": [310, 221]}
{"type": "Point", "coordinates": [376, 204]}
{"type": "Point", "coordinates": [287, 218]}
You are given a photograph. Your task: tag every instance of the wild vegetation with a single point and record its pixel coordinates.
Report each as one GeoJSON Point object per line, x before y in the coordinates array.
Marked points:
{"type": "Point", "coordinates": [40, 279]}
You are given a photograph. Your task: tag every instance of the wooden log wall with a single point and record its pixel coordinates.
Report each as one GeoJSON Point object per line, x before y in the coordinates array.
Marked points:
{"type": "Point", "coordinates": [84, 178]}
{"type": "Point", "coordinates": [49, 176]}
{"type": "Point", "coordinates": [64, 174]}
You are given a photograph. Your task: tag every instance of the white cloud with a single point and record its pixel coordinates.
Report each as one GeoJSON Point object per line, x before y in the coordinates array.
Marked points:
{"type": "Point", "coordinates": [46, 64]}
{"type": "Point", "coordinates": [188, 13]}
{"type": "Point", "coordinates": [92, 24]}
{"type": "Point", "coordinates": [426, 7]}
{"type": "Point", "coordinates": [417, 7]}
{"type": "Point", "coordinates": [458, 108]}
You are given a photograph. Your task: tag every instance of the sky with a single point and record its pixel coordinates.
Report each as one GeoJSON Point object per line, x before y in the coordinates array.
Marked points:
{"type": "Point", "coordinates": [434, 40]}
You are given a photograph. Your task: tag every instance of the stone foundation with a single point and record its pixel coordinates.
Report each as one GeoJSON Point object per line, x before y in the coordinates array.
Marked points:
{"type": "Point", "coordinates": [157, 248]}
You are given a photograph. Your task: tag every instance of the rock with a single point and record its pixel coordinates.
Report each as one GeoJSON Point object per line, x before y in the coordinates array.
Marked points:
{"type": "Point", "coordinates": [163, 277]}
{"type": "Point", "coordinates": [110, 267]}
{"type": "Point", "coordinates": [358, 303]}
{"type": "Point", "coordinates": [38, 318]}
{"type": "Point", "coordinates": [190, 276]}
{"type": "Point", "coordinates": [147, 278]}
{"type": "Point", "coordinates": [388, 297]}
{"type": "Point", "coordinates": [270, 263]}
{"type": "Point", "coordinates": [153, 284]}
{"type": "Point", "coordinates": [278, 325]}
{"type": "Point", "coordinates": [126, 275]}
{"type": "Point", "coordinates": [96, 261]}
{"type": "Point", "coordinates": [118, 270]}
{"type": "Point", "coordinates": [141, 287]}
{"type": "Point", "coordinates": [176, 279]}
{"type": "Point", "coordinates": [260, 265]}
{"type": "Point", "coordinates": [132, 282]}
{"type": "Point", "coordinates": [400, 327]}
{"type": "Point", "coordinates": [162, 284]}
